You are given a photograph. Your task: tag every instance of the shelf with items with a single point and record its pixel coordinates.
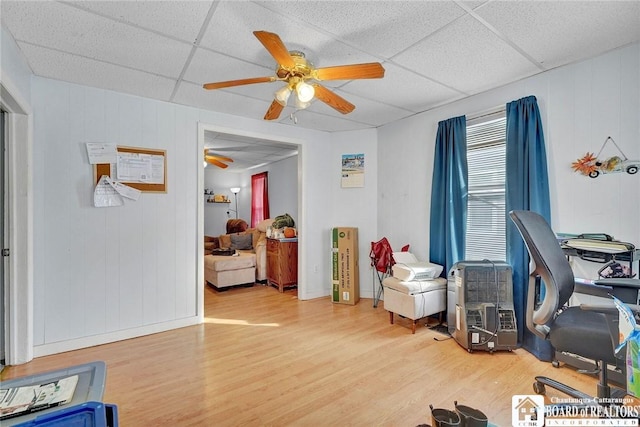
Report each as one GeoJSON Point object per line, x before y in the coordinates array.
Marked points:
{"type": "Point", "coordinates": [216, 198]}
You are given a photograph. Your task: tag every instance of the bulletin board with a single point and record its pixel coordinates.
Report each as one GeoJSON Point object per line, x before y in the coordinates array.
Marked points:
{"type": "Point", "coordinates": [142, 168]}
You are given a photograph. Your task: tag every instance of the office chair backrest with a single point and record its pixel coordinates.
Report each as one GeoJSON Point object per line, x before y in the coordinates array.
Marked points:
{"type": "Point", "coordinates": [550, 264]}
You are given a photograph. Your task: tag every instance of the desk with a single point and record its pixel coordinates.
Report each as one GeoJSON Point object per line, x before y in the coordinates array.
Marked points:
{"type": "Point", "coordinates": [616, 373]}
{"type": "Point", "coordinates": [603, 257]}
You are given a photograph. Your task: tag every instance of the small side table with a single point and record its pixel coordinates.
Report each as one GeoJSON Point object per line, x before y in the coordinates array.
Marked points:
{"type": "Point", "coordinates": [282, 263]}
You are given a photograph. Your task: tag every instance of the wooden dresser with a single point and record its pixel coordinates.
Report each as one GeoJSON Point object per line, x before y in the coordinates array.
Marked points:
{"type": "Point", "coordinates": [282, 263]}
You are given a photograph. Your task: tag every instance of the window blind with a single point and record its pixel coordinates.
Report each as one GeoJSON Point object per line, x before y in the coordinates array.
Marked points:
{"type": "Point", "coordinates": [486, 153]}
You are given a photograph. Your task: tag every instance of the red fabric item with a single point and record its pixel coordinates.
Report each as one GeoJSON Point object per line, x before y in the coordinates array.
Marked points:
{"type": "Point", "coordinates": [381, 255]}
{"type": "Point", "coordinates": [405, 248]}
{"type": "Point", "coordinates": [259, 198]}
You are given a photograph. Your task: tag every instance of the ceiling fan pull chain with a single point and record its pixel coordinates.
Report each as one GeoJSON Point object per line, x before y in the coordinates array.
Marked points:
{"type": "Point", "coordinates": [293, 118]}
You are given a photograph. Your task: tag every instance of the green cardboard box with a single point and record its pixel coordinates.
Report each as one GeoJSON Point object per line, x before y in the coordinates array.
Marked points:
{"type": "Point", "coordinates": [345, 270]}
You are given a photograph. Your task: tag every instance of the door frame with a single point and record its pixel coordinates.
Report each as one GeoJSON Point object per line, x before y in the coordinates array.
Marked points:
{"type": "Point", "coordinates": [202, 127]}
{"type": "Point", "coordinates": [18, 286]}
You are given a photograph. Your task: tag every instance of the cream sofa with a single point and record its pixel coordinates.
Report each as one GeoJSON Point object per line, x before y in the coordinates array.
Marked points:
{"type": "Point", "coordinates": [215, 264]}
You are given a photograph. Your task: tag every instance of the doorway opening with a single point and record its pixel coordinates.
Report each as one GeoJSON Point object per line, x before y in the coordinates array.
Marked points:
{"type": "Point", "coordinates": [252, 153]}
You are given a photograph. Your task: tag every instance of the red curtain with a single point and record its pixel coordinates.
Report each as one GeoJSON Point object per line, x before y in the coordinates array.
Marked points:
{"type": "Point", "coordinates": [259, 198]}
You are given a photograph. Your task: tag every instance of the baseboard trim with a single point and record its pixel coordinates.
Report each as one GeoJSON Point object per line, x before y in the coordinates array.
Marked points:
{"type": "Point", "coordinates": [84, 342]}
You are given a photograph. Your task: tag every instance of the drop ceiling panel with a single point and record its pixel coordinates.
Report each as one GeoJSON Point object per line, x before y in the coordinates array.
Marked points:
{"type": "Point", "coordinates": [467, 57]}
{"type": "Point", "coordinates": [565, 31]}
{"type": "Point", "coordinates": [329, 121]}
{"type": "Point", "coordinates": [233, 24]}
{"type": "Point", "coordinates": [384, 27]}
{"type": "Point", "coordinates": [247, 152]}
{"type": "Point", "coordinates": [403, 89]}
{"type": "Point", "coordinates": [63, 66]}
{"type": "Point", "coordinates": [366, 111]}
{"type": "Point", "coordinates": [94, 37]}
{"type": "Point", "coordinates": [179, 19]}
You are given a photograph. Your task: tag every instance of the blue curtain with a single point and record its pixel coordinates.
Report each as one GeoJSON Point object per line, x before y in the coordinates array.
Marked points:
{"type": "Point", "coordinates": [527, 188]}
{"type": "Point", "coordinates": [448, 221]}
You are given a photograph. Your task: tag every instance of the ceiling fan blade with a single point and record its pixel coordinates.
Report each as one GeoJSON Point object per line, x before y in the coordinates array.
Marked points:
{"type": "Point", "coordinates": [217, 157]}
{"type": "Point", "coordinates": [276, 48]}
{"type": "Point", "coordinates": [333, 100]}
{"type": "Point", "coordinates": [274, 110]}
{"type": "Point", "coordinates": [217, 163]}
{"type": "Point", "coordinates": [370, 70]}
{"type": "Point", "coordinates": [240, 82]}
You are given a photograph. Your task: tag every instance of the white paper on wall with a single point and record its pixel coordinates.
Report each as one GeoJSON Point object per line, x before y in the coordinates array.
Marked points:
{"type": "Point", "coordinates": [139, 167]}
{"type": "Point", "coordinates": [124, 190]}
{"type": "Point", "coordinates": [100, 152]}
{"type": "Point", "coordinates": [105, 195]}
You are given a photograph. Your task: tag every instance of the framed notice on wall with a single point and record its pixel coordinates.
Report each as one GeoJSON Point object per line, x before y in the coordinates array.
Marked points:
{"type": "Point", "coordinates": [142, 168]}
{"type": "Point", "coordinates": [352, 170]}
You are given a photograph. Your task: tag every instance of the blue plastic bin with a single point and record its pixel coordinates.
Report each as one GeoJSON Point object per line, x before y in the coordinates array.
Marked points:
{"type": "Point", "coordinates": [90, 388]}
{"type": "Point", "coordinates": [89, 414]}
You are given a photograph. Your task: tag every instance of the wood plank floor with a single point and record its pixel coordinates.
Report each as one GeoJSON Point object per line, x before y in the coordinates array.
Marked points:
{"type": "Point", "coordinates": [266, 359]}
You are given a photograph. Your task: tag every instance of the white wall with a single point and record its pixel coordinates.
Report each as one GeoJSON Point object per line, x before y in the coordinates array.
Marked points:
{"type": "Point", "coordinates": [355, 207]}
{"type": "Point", "coordinates": [405, 152]}
{"type": "Point", "coordinates": [14, 67]}
{"type": "Point", "coordinates": [103, 274]}
{"type": "Point", "coordinates": [580, 104]}
{"type": "Point", "coordinates": [110, 273]}
{"type": "Point", "coordinates": [215, 214]}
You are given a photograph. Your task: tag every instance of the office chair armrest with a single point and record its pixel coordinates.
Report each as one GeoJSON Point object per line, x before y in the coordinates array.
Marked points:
{"type": "Point", "coordinates": [601, 308]}
{"type": "Point", "coordinates": [626, 290]}
{"type": "Point", "coordinates": [608, 308]}
{"type": "Point", "coordinates": [619, 283]}
{"type": "Point", "coordinates": [591, 288]}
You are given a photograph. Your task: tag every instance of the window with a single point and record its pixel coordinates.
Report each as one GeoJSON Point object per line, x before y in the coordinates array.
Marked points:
{"type": "Point", "coordinates": [486, 152]}
{"type": "Point", "coordinates": [259, 198]}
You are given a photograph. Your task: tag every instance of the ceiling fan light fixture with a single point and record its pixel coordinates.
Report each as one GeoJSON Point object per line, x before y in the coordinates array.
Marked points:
{"type": "Point", "coordinates": [293, 68]}
{"type": "Point", "coordinates": [282, 95]}
{"type": "Point", "coordinates": [301, 105]}
{"type": "Point", "coordinates": [305, 92]}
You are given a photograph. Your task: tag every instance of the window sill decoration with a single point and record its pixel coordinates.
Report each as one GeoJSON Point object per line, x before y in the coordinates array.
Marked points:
{"type": "Point", "coordinates": [593, 166]}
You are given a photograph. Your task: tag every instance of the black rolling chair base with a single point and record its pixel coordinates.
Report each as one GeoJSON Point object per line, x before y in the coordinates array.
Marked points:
{"type": "Point", "coordinates": [541, 382]}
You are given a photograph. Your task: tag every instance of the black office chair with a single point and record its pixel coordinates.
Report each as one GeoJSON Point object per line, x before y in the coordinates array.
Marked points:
{"type": "Point", "coordinates": [590, 331]}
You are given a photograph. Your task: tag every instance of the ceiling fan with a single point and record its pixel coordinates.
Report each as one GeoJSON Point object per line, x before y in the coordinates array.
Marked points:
{"type": "Point", "coordinates": [296, 71]}
{"type": "Point", "coordinates": [216, 159]}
